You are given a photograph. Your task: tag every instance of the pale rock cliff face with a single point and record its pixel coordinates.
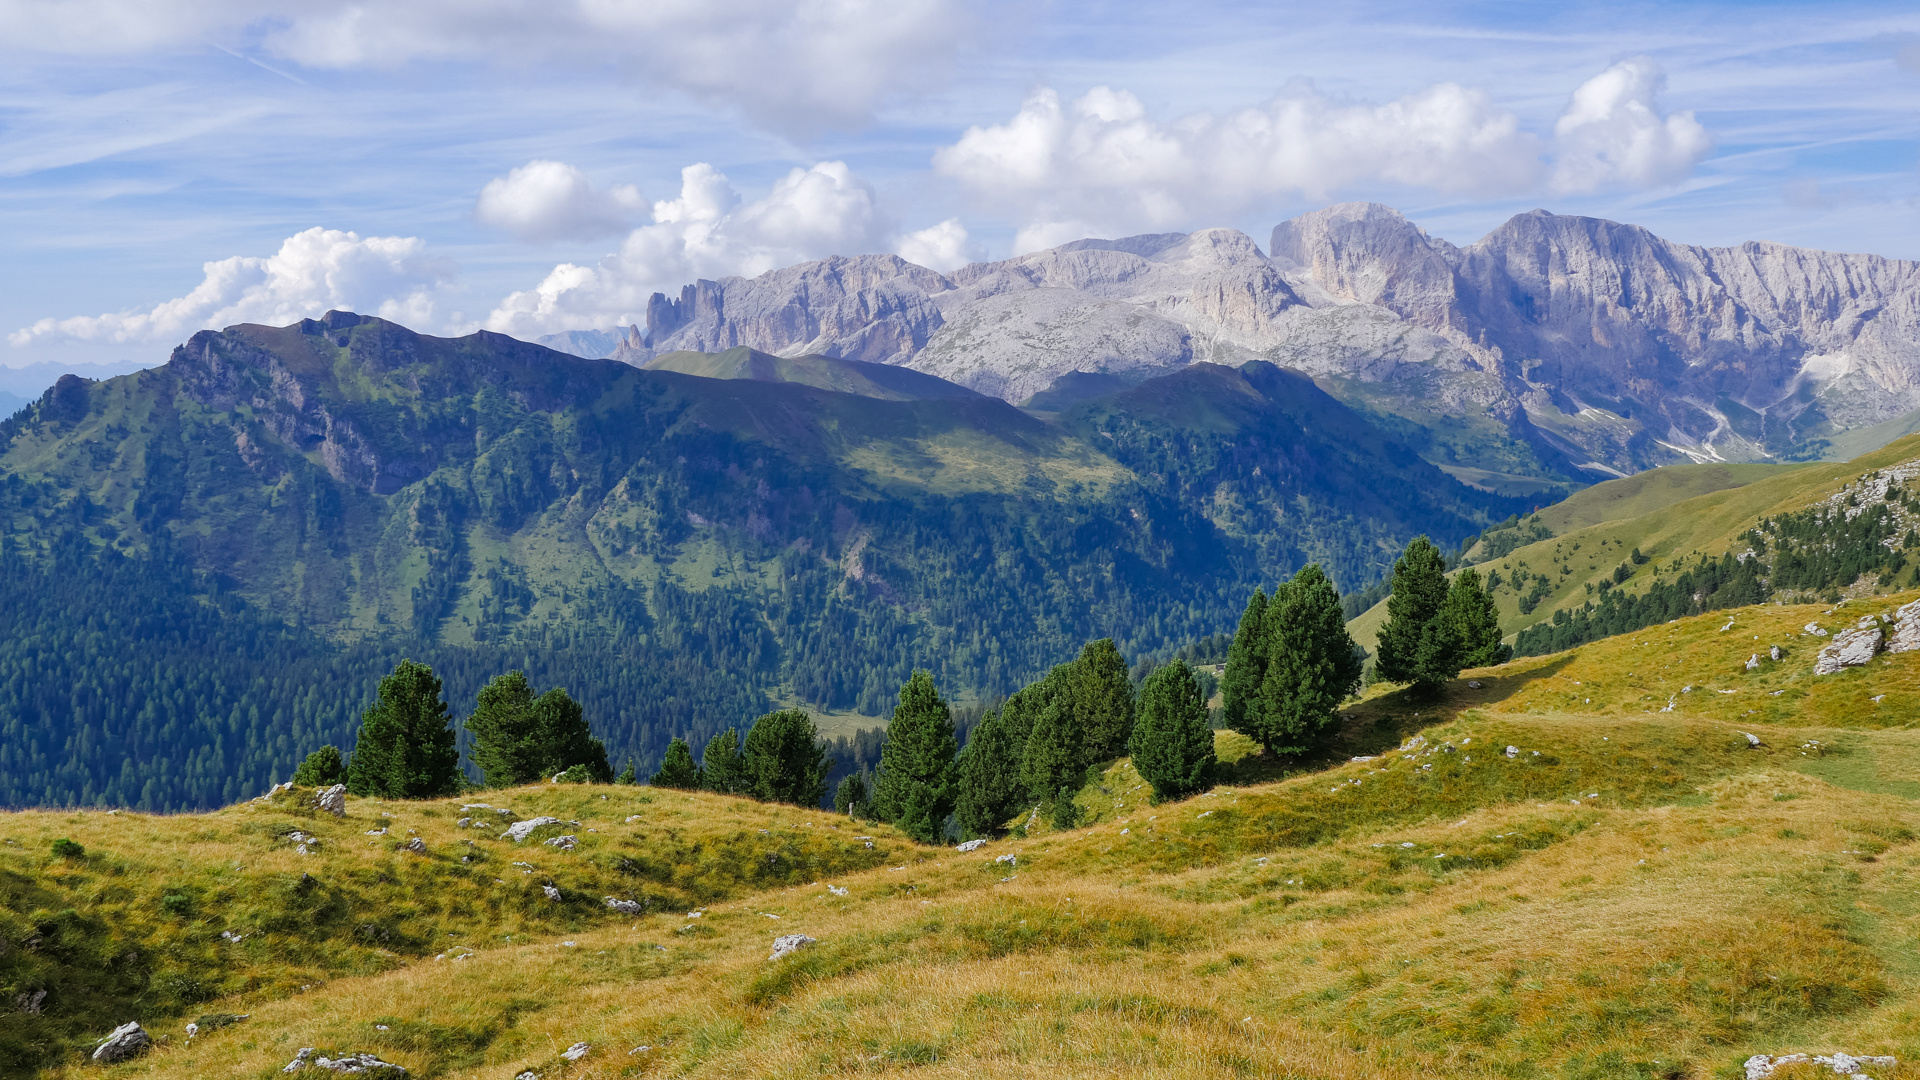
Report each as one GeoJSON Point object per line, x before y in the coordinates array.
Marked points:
{"type": "Point", "coordinates": [1589, 339]}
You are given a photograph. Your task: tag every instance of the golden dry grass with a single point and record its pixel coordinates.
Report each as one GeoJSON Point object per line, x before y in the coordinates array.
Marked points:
{"type": "Point", "coordinates": [1645, 897]}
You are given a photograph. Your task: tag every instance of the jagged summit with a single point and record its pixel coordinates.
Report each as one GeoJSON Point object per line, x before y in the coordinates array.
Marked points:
{"type": "Point", "coordinates": [1569, 345]}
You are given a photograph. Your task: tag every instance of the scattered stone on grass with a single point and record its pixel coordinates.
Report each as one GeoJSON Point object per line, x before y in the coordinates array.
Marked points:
{"type": "Point", "coordinates": [415, 845]}
{"type": "Point", "coordinates": [971, 845]}
{"type": "Point", "coordinates": [520, 830]}
{"type": "Point", "coordinates": [789, 943]}
{"type": "Point", "coordinates": [127, 1041]}
{"type": "Point", "coordinates": [564, 843]}
{"type": "Point", "coordinates": [624, 907]}
{"type": "Point", "coordinates": [576, 1051]}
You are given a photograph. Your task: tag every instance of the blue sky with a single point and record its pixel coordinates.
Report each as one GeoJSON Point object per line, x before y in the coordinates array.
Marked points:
{"type": "Point", "coordinates": [532, 167]}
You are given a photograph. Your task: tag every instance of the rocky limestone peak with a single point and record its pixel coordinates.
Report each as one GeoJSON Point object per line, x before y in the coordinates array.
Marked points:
{"type": "Point", "coordinates": [1366, 253]}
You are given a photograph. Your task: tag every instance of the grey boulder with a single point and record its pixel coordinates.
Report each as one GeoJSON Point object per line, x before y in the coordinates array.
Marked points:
{"type": "Point", "coordinates": [520, 830]}
{"type": "Point", "coordinates": [787, 944]}
{"type": "Point", "coordinates": [129, 1040]}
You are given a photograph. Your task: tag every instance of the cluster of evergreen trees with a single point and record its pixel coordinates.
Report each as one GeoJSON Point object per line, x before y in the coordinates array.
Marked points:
{"type": "Point", "coordinates": [780, 760]}
{"type": "Point", "coordinates": [1036, 747]}
{"type": "Point", "coordinates": [406, 748]}
{"type": "Point", "coordinates": [1291, 664]}
{"type": "Point", "coordinates": [1435, 629]}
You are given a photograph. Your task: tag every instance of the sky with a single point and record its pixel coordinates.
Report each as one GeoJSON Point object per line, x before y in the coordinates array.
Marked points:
{"type": "Point", "coordinates": [168, 166]}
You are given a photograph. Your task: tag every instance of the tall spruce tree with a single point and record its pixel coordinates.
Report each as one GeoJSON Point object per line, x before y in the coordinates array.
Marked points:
{"type": "Point", "coordinates": [405, 749]}
{"type": "Point", "coordinates": [721, 766]}
{"type": "Point", "coordinates": [566, 739]}
{"type": "Point", "coordinates": [851, 797]}
{"type": "Point", "coordinates": [1246, 663]}
{"type": "Point", "coordinates": [1467, 631]}
{"type": "Point", "coordinates": [1419, 588]}
{"type": "Point", "coordinates": [677, 769]}
{"type": "Point", "coordinates": [783, 760]}
{"type": "Point", "coordinates": [1312, 664]}
{"type": "Point", "coordinates": [1055, 759]}
{"type": "Point", "coordinates": [1103, 699]}
{"type": "Point", "coordinates": [990, 787]}
{"type": "Point", "coordinates": [1172, 743]}
{"type": "Point", "coordinates": [519, 738]}
{"type": "Point", "coordinates": [915, 786]}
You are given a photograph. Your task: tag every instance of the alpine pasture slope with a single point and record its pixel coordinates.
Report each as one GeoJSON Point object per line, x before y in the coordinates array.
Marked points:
{"type": "Point", "coordinates": [1560, 876]}
{"type": "Point", "coordinates": [1671, 515]}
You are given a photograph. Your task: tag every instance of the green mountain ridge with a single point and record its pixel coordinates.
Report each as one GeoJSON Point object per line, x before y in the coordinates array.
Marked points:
{"type": "Point", "coordinates": [687, 548]}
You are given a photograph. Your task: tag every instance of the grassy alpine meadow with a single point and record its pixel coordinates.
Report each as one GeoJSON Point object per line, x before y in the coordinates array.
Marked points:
{"type": "Point", "coordinates": [1578, 868]}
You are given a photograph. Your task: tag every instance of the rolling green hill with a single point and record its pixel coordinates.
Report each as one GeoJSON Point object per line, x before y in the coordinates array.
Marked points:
{"type": "Point", "coordinates": [1584, 547]}
{"type": "Point", "coordinates": [1579, 868]}
{"type": "Point", "coordinates": [680, 550]}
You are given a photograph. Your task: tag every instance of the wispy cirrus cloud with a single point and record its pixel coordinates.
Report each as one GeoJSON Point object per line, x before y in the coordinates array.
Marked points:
{"type": "Point", "coordinates": [794, 67]}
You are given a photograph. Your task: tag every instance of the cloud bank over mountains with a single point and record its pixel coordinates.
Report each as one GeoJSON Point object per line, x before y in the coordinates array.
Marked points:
{"type": "Point", "coordinates": [798, 68]}
{"type": "Point", "coordinates": [1097, 165]}
{"type": "Point", "coordinates": [392, 276]}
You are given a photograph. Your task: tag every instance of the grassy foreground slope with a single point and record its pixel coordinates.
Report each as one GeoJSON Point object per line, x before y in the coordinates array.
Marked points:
{"type": "Point", "coordinates": [1634, 892]}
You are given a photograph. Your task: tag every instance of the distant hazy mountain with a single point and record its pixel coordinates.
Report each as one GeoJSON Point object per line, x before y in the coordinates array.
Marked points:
{"type": "Point", "coordinates": [591, 344]}
{"type": "Point", "coordinates": [1555, 346]}
{"type": "Point", "coordinates": [11, 403]}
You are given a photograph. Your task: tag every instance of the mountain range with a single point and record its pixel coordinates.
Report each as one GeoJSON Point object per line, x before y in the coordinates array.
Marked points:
{"type": "Point", "coordinates": [682, 544]}
{"type": "Point", "coordinates": [1556, 347]}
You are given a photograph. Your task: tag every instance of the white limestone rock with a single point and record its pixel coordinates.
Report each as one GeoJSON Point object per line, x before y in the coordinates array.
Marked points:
{"type": "Point", "coordinates": [787, 944]}
{"type": "Point", "coordinates": [971, 845]}
{"type": "Point", "coordinates": [520, 830]}
{"type": "Point", "coordinates": [333, 800]}
{"type": "Point", "coordinates": [1849, 648]}
{"type": "Point", "coordinates": [1906, 629]}
{"type": "Point", "coordinates": [624, 907]}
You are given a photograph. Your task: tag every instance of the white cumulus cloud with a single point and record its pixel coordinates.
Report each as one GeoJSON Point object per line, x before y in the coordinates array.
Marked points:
{"type": "Point", "coordinates": [1099, 163]}
{"type": "Point", "coordinates": [1612, 133]}
{"type": "Point", "coordinates": [389, 276]}
{"type": "Point", "coordinates": [796, 65]}
{"type": "Point", "coordinates": [543, 201]}
{"type": "Point", "coordinates": [940, 247]}
{"type": "Point", "coordinates": [1101, 160]}
{"type": "Point", "coordinates": [709, 231]}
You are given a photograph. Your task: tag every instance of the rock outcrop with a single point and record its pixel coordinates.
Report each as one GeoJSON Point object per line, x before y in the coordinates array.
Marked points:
{"type": "Point", "coordinates": [520, 830]}
{"type": "Point", "coordinates": [786, 944]}
{"type": "Point", "coordinates": [1849, 648]}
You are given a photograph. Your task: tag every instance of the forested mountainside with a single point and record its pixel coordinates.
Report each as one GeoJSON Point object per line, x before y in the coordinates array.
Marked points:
{"type": "Point", "coordinates": [676, 550]}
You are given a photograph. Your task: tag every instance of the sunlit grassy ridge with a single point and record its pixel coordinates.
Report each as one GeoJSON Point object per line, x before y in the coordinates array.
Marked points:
{"type": "Point", "coordinates": [1596, 530]}
{"type": "Point", "coordinates": [1633, 892]}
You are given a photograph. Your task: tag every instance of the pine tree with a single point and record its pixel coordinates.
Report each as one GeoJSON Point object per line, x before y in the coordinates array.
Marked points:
{"type": "Point", "coordinates": [1055, 757]}
{"type": "Point", "coordinates": [518, 738]}
{"type": "Point", "coordinates": [783, 760]}
{"type": "Point", "coordinates": [990, 786]}
{"type": "Point", "coordinates": [322, 768]}
{"type": "Point", "coordinates": [405, 749]}
{"type": "Point", "coordinates": [1312, 664]}
{"type": "Point", "coordinates": [1246, 663]}
{"type": "Point", "coordinates": [1172, 742]}
{"type": "Point", "coordinates": [627, 774]}
{"type": "Point", "coordinates": [506, 737]}
{"type": "Point", "coordinates": [1466, 632]}
{"type": "Point", "coordinates": [721, 767]}
{"type": "Point", "coordinates": [1103, 698]}
{"type": "Point", "coordinates": [851, 798]}
{"type": "Point", "coordinates": [565, 739]}
{"type": "Point", "coordinates": [1419, 588]}
{"type": "Point", "coordinates": [915, 789]}
{"type": "Point", "coordinates": [677, 769]}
